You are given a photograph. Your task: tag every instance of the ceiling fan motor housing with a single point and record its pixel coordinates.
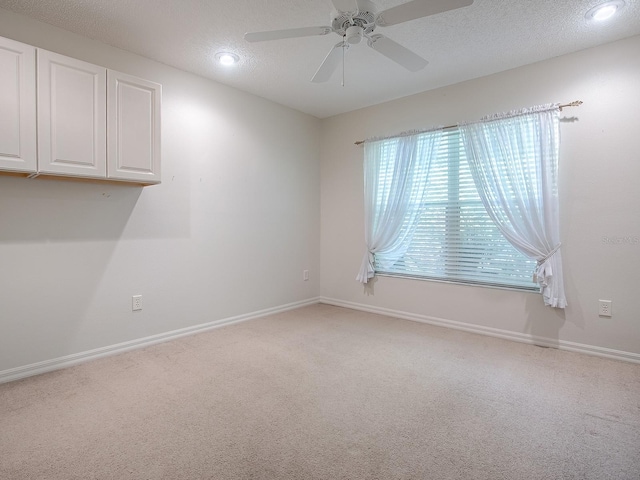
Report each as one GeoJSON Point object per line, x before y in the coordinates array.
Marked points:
{"type": "Point", "coordinates": [365, 19]}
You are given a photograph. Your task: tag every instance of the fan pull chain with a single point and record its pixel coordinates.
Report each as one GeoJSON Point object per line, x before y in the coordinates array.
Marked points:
{"type": "Point", "coordinates": [344, 48]}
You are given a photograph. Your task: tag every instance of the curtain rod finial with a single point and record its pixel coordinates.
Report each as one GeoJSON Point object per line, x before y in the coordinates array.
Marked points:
{"type": "Point", "coordinates": [577, 103]}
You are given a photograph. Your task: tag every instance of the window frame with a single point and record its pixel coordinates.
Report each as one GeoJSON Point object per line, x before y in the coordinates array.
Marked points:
{"type": "Point", "coordinates": [454, 149]}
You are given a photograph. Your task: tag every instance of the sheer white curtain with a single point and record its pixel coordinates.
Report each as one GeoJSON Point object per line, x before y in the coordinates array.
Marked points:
{"type": "Point", "coordinates": [514, 163]}
{"type": "Point", "coordinates": [395, 180]}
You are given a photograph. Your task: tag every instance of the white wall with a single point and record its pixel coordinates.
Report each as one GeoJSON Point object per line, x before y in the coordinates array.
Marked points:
{"type": "Point", "coordinates": [239, 214]}
{"type": "Point", "coordinates": [599, 188]}
{"type": "Point", "coordinates": [228, 232]}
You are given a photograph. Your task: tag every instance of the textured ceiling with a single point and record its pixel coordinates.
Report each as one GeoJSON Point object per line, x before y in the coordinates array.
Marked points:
{"type": "Point", "coordinates": [485, 38]}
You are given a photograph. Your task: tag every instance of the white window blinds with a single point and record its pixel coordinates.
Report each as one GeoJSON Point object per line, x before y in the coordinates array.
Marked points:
{"type": "Point", "coordinates": [454, 238]}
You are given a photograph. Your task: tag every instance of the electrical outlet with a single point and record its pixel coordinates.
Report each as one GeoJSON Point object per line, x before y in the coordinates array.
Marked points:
{"type": "Point", "coordinates": [136, 302]}
{"type": "Point", "coordinates": [305, 275]}
{"type": "Point", "coordinates": [605, 308]}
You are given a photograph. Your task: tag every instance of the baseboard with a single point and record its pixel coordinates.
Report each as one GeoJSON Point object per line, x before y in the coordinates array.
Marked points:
{"type": "Point", "coordinates": [492, 332]}
{"type": "Point", "coordinates": [82, 357]}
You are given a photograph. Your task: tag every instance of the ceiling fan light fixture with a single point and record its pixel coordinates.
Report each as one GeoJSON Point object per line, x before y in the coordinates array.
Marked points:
{"type": "Point", "coordinates": [227, 58]}
{"type": "Point", "coordinates": [354, 34]}
{"type": "Point", "coordinates": [604, 11]}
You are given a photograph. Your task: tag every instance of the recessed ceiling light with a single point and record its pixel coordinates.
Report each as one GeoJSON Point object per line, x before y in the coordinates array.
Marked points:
{"type": "Point", "coordinates": [604, 10]}
{"type": "Point", "coordinates": [227, 58]}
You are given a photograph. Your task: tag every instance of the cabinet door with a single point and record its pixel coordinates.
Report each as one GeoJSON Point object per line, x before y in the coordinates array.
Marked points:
{"type": "Point", "coordinates": [17, 106]}
{"type": "Point", "coordinates": [133, 128]}
{"type": "Point", "coordinates": [71, 116]}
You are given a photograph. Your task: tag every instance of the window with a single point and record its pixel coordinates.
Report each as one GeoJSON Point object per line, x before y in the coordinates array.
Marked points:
{"type": "Point", "coordinates": [455, 239]}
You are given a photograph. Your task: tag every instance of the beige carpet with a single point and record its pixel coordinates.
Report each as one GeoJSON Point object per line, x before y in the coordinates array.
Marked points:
{"type": "Point", "coordinates": [327, 393]}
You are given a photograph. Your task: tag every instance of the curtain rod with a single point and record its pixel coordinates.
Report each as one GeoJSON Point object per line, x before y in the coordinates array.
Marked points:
{"type": "Point", "coordinates": [577, 103]}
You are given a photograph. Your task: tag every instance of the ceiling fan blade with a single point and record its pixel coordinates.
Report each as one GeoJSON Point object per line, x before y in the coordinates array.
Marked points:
{"type": "Point", "coordinates": [289, 33]}
{"type": "Point", "coordinates": [330, 63]}
{"type": "Point", "coordinates": [396, 52]}
{"type": "Point", "coordinates": [344, 5]}
{"type": "Point", "coordinates": [418, 9]}
{"type": "Point", "coordinates": [364, 5]}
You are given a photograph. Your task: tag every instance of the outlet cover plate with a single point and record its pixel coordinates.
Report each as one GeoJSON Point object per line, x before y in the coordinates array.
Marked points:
{"type": "Point", "coordinates": [604, 309]}
{"type": "Point", "coordinates": [136, 303]}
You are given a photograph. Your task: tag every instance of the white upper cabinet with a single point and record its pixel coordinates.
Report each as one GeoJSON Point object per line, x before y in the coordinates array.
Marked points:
{"type": "Point", "coordinates": [71, 116]}
{"type": "Point", "coordinates": [133, 128]}
{"type": "Point", "coordinates": [17, 106]}
{"type": "Point", "coordinates": [62, 116]}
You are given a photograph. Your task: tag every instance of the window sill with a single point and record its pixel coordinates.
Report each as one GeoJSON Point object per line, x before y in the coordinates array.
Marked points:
{"type": "Point", "coordinates": [459, 282]}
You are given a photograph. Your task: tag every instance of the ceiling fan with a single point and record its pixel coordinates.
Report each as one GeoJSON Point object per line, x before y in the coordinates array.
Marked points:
{"type": "Point", "coordinates": [354, 20]}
